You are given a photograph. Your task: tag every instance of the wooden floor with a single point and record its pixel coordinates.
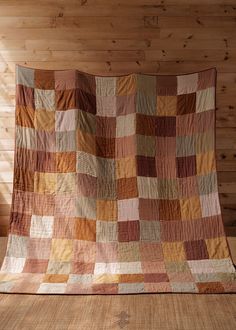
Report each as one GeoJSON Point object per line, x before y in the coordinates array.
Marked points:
{"type": "Point", "coordinates": [128, 312]}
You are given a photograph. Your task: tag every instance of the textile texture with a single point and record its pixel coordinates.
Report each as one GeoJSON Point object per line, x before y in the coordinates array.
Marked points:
{"type": "Point", "coordinates": [115, 186]}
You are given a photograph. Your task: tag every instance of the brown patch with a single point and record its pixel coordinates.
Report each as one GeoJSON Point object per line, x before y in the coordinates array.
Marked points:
{"type": "Point", "coordinates": [86, 185]}
{"type": "Point", "coordinates": [23, 180]}
{"type": "Point", "coordinates": [85, 101]}
{"type": "Point", "coordinates": [44, 79]}
{"type": "Point", "coordinates": [125, 146]}
{"type": "Point", "coordinates": [148, 209]}
{"type": "Point", "coordinates": [127, 188]}
{"type": "Point", "coordinates": [82, 268]}
{"type": "Point", "coordinates": [85, 230]}
{"type": "Point", "coordinates": [55, 278]}
{"type": "Point", "coordinates": [156, 278]}
{"type": "Point", "coordinates": [106, 126]}
{"type": "Point", "coordinates": [166, 85]}
{"type": "Point", "coordinates": [165, 126]}
{"type": "Point", "coordinates": [105, 147]}
{"type": "Point", "coordinates": [66, 162]}
{"type": "Point", "coordinates": [35, 266]}
{"type": "Point", "coordinates": [196, 250]}
{"type": "Point", "coordinates": [25, 116]}
{"type": "Point", "coordinates": [45, 161]}
{"type": "Point", "coordinates": [210, 287]}
{"type": "Point", "coordinates": [169, 209]}
{"type": "Point", "coordinates": [20, 223]}
{"type": "Point", "coordinates": [65, 99]}
{"type": "Point", "coordinates": [146, 166]}
{"type": "Point", "coordinates": [186, 103]}
{"type": "Point", "coordinates": [145, 125]}
{"type": "Point", "coordinates": [186, 166]}
{"type": "Point", "coordinates": [24, 97]}
{"type": "Point", "coordinates": [128, 231]}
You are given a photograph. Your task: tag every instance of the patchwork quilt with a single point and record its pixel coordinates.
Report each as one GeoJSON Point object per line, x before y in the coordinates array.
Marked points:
{"type": "Point", "coordinates": [115, 186]}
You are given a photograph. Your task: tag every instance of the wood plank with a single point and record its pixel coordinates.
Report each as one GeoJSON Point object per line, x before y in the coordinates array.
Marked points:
{"type": "Point", "coordinates": [7, 133]}
{"type": "Point", "coordinates": [225, 199]}
{"type": "Point", "coordinates": [3, 230]}
{"type": "Point", "coordinates": [188, 55]}
{"type": "Point", "coordinates": [85, 44]}
{"type": "Point", "coordinates": [198, 33]}
{"type": "Point", "coordinates": [226, 116]}
{"type": "Point", "coordinates": [119, 68]}
{"type": "Point", "coordinates": [198, 21]}
{"type": "Point", "coordinates": [227, 187]}
{"type": "Point", "coordinates": [88, 23]}
{"type": "Point", "coordinates": [6, 166]}
{"type": "Point", "coordinates": [117, 44]}
{"type": "Point", "coordinates": [5, 199]}
{"type": "Point", "coordinates": [79, 9]}
{"type": "Point", "coordinates": [4, 221]}
{"type": "Point", "coordinates": [178, 67]}
{"type": "Point", "coordinates": [77, 33]}
{"type": "Point", "coordinates": [191, 43]}
{"type": "Point", "coordinates": [118, 55]}
{"type": "Point", "coordinates": [227, 182]}
{"type": "Point", "coordinates": [93, 33]}
{"type": "Point", "coordinates": [57, 10]}
{"type": "Point", "coordinates": [7, 155]}
{"type": "Point", "coordinates": [226, 176]}
{"type": "Point", "coordinates": [98, 56]}
{"type": "Point", "coordinates": [12, 44]}
{"type": "Point", "coordinates": [226, 138]}
{"type": "Point", "coordinates": [6, 177]}
{"type": "Point", "coordinates": [229, 214]}
{"type": "Point", "coordinates": [119, 23]}
{"type": "Point", "coordinates": [5, 210]}
{"type": "Point", "coordinates": [6, 187]}
{"type": "Point", "coordinates": [97, 44]}
{"type": "Point", "coordinates": [226, 160]}
{"type": "Point", "coordinates": [124, 2]}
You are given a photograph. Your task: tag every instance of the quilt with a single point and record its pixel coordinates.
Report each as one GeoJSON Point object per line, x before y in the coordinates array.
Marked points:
{"type": "Point", "coordinates": [115, 186]}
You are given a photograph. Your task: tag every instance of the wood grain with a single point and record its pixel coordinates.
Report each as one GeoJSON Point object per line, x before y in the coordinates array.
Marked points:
{"type": "Point", "coordinates": [119, 37]}
{"type": "Point", "coordinates": [128, 312]}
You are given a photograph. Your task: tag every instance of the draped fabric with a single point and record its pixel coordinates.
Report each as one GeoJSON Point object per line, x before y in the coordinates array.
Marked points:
{"type": "Point", "coordinates": [115, 186]}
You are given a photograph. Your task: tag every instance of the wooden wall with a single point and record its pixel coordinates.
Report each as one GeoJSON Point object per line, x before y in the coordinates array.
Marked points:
{"type": "Point", "coordinates": [113, 37]}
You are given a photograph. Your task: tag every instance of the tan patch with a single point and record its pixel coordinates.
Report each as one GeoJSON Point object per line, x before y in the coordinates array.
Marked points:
{"type": "Point", "coordinates": [44, 120]}
{"type": "Point", "coordinates": [126, 167]}
{"type": "Point", "coordinates": [174, 251]}
{"type": "Point", "coordinates": [126, 85]}
{"type": "Point", "coordinates": [166, 105]}
{"type": "Point", "coordinates": [190, 208]}
{"type": "Point", "coordinates": [206, 163]}
{"type": "Point", "coordinates": [106, 210]}
{"type": "Point", "coordinates": [45, 183]}
{"type": "Point", "coordinates": [217, 248]}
